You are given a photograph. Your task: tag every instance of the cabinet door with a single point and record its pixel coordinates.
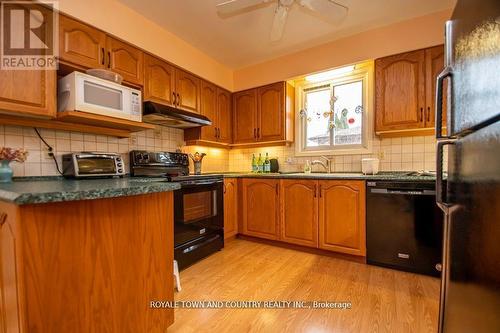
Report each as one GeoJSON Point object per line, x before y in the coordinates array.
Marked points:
{"type": "Point", "coordinates": [434, 64]}
{"type": "Point", "coordinates": [260, 208]}
{"type": "Point", "coordinates": [12, 319]}
{"type": "Point", "coordinates": [209, 110]}
{"type": "Point", "coordinates": [244, 116]}
{"type": "Point", "coordinates": [159, 81]}
{"type": "Point", "coordinates": [224, 115]}
{"type": "Point", "coordinates": [342, 216]}
{"type": "Point", "coordinates": [400, 92]}
{"type": "Point", "coordinates": [299, 206]}
{"type": "Point", "coordinates": [271, 112]}
{"type": "Point", "coordinates": [230, 207]}
{"type": "Point", "coordinates": [28, 92]}
{"type": "Point", "coordinates": [187, 86]}
{"type": "Point", "coordinates": [81, 44]}
{"type": "Point", "coordinates": [125, 60]}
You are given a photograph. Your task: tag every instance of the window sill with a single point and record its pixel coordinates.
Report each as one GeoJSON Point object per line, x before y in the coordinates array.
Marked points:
{"type": "Point", "coordinates": [352, 151]}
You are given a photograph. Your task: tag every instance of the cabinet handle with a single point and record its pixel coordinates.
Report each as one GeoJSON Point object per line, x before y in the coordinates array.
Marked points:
{"type": "Point", "coordinates": [174, 99]}
{"type": "Point", "coordinates": [277, 189]}
{"type": "Point", "coordinates": [3, 218]}
{"type": "Point", "coordinates": [258, 132]}
{"type": "Point", "coordinates": [320, 189]}
{"type": "Point", "coordinates": [178, 99]}
{"type": "Point", "coordinates": [102, 56]}
{"type": "Point", "coordinates": [428, 113]}
{"type": "Point", "coordinates": [224, 188]}
{"type": "Point", "coordinates": [421, 114]}
{"type": "Point", "coordinates": [109, 59]}
{"type": "Point", "coordinates": [315, 190]}
{"type": "Point", "coordinates": [218, 133]}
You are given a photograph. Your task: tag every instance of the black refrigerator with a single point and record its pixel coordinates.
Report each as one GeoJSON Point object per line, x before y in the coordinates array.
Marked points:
{"type": "Point", "coordinates": [470, 194]}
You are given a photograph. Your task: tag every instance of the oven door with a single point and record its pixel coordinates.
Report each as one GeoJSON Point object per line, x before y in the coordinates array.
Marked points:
{"type": "Point", "coordinates": [198, 210]}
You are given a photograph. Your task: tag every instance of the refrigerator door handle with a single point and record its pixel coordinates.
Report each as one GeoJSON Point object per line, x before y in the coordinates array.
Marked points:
{"type": "Point", "coordinates": [441, 198]}
{"type": "Point", "coordinates": [446, 73]}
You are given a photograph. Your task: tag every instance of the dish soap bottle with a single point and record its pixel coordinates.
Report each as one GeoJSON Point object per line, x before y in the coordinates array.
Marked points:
{"type": "Point", "coordinates": [254, 164]}
{"type": "Point", "coordinates": [267, 164]}
{"type": "Point", "coordinates": [307, 167]}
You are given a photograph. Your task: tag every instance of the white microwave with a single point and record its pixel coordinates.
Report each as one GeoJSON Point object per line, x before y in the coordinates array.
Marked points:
{"type": "Point", "coordinates": [86, 93]}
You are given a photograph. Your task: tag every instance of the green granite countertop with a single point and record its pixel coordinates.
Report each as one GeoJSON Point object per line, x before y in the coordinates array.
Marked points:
{"type": "Point", "coordinates": [35, 190]}
{"type": "Point", "coordinates": [396, 176]}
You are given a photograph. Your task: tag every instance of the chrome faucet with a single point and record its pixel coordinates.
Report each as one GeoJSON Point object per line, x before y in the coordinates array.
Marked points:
{"type": "Point", "coordinates": [326, 164]}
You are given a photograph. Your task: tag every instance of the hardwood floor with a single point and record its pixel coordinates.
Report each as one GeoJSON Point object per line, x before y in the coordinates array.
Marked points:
{"type": "Point", "coordinates": [383, 300]}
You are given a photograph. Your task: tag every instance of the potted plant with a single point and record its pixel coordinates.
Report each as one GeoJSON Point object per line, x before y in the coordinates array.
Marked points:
{"type": "Point", "coordinates": [8, 155]}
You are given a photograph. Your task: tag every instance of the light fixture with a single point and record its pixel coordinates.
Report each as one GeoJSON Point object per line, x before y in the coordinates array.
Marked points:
{"type": "Point", "coordinates": [323, 76]}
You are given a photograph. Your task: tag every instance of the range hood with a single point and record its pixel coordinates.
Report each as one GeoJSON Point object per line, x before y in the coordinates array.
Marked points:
{"type": "Point", "coordinates": [159, 114]}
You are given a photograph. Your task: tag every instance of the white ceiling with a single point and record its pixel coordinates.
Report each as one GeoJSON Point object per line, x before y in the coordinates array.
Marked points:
{"type": "Point", "coordinates": [241, 40]}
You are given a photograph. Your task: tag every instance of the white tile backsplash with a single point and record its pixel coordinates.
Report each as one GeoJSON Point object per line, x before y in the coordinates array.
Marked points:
{"type": "Point", "coordinates": [39, 164]}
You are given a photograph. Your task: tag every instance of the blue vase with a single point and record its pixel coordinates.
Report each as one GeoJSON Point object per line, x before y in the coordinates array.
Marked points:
{"type": "Point", "coordinates": [5, 172]}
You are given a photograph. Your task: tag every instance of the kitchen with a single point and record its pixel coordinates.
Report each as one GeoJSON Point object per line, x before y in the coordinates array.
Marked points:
{"type": "Point", "coordinates": [170, 176]}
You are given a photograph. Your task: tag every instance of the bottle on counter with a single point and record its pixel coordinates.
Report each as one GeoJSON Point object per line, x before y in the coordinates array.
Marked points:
{"type": "Point", "coordinates": [267, 164]}
{"type": "Point", "coordinates": [260, 164]}
{"type": "Point", "coordinates": [307, 167]}
{"type": "Point", "coordinates": [254, 164]}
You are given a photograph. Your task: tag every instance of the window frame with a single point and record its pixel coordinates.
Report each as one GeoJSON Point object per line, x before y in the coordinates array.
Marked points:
{"type": "Point", "coordinates": [363, 72]}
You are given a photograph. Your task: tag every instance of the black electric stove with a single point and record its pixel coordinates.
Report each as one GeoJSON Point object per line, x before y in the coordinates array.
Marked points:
{"type": "Point", "coordinates": [198, 204]}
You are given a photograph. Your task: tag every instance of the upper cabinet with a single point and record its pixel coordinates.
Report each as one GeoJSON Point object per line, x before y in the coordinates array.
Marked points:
{"type": "Point", "coordinates": [159, 81]}
{"type": "Point", "coordinates": [187, 90]}
{"type": "Point", "coordinates": [125, 60]}
{"type": "Point", "coordinates": [28, 92]}
{"type": "Point", "coordinates": [85, 47]}
{"type": "Point", "coordinates": [81, 44]}
{"type": "Point", "coordinates": [215, 105]}
{"type": "Point", "coordinates": [263, 115]}
{"type": "Point", "coordinates": [405, 91]}
{"type": "Point", "coordinates": [245, 116]}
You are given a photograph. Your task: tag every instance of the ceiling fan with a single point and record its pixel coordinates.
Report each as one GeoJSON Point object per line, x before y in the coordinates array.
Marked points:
{"type": "Point", "coordinates": [328, 10]}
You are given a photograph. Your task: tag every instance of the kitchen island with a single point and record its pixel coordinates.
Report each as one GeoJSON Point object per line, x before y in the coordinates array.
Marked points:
{"type": "Point", "coordinates": [85, 255]}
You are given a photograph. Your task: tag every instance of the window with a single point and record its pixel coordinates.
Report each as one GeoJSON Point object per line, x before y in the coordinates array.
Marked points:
{"type": "Point", "coordinates": [334, 114]}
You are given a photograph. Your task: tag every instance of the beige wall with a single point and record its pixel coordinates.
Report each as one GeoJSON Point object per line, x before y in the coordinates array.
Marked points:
{"type": "Point", "coordinates": [119, 20]}
{"type": "Point", "coordinates": [399, 37]}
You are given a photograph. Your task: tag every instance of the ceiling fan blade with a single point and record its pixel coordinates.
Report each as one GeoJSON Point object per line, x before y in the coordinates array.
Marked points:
{"type": "Point", "coordinates": [279, 22]}
{"type": "Point", "coordinates": [234, 6]}
{"type": "Point", "coordinates": [328, 10]}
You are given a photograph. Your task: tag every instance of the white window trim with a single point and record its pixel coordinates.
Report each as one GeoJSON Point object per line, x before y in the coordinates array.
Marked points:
{"type": "Point", "coordinates": [363, 72]}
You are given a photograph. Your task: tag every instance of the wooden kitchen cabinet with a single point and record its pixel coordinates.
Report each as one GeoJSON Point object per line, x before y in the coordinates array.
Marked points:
{"type": "Point", "coordinates": [209, 110]}
{"type": "Point", "coordinates": [260, 208]}
{"type": "Point", "coordinates": [187, 89]}
{"type": "Point", "coordinates": [159, 81]}
{"type": "Point", "coordinates": [263, 115]}
{"type": "Point", "coordinates": [405, 90]}
{"type": "Point", "coordinates": [216, 106]}
{"type": "Point", "coordinates": [230, 207]}
{"type": "Point", "coordinates": [224, 116]}
{"type": "Point", "coordinates": [81, 44]}
{"type": "Point", "coordinates": [245, 116]}
{"type": "Point", "coordinates": [342, 216]}
{"type": "Point", "coordinates": [28, 92]}
{"type": "Point", "coordinates": [51, 261]}
{"type": "Point", "coordinates": [84, 46]}
{"type": "Point", "coordinates": [126, 60]}
{"type": "Point", "coordinates": [299, 207]}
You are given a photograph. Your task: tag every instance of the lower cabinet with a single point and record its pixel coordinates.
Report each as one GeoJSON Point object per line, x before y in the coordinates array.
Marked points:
{"type": "Point", "coordinates": [230, 207]}
{"type": "Point", "coordinates": [325, 214]}
{"type": "Point", "coordinates": [342, 216]}
{"type": "Point", "coordinates": [260, 208]}
{"type": "Point", "coordinates": [299, 219]}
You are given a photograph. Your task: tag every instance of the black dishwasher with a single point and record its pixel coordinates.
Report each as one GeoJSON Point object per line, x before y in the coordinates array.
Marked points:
{"type": "Point", "coordinates": [404, 226]}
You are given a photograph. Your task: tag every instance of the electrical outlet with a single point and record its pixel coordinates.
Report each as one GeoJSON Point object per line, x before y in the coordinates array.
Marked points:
{"type": "Point", "coordinates": [46, 153]}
